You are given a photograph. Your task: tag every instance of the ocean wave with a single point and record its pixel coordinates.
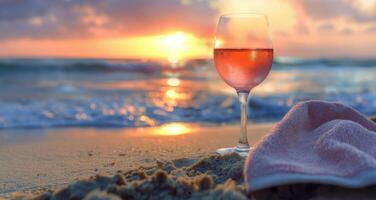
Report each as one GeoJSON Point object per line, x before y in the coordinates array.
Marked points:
{"type": "Point", "coordinates": [92, 93]}
{"type": "Point", "coordinates": [15, 65]}
{"type": "Point", "coordinates": [156, 66]}
{"type": "Point", "coordinates": [323, 62]}
{"type": "Point", "coordinates": [137, 111]}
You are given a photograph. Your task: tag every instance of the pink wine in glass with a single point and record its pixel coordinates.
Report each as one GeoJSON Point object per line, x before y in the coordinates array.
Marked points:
{"type": "Point", "coordinates": [243, 69]}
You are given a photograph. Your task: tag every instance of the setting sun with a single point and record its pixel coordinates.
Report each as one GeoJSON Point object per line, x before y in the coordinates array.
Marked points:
{"type": "Point", "coordinates": [180, 45]}
{"type": "Point", "coordinates": [176, 46]}
{"type": "Point", "coordinates": [176, 41]}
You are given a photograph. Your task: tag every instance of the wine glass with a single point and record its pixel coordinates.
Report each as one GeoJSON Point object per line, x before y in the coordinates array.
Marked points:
{"type": "Point", "coordinates": [243, 56]}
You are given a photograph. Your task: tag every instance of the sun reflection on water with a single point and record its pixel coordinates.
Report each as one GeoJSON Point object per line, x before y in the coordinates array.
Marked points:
{"type": "Point", "coordinates": [173, 82]}
{"type": "Point", "coordinates": [175, 94]}
{"type": "Point", "coordinates": [172, 94]}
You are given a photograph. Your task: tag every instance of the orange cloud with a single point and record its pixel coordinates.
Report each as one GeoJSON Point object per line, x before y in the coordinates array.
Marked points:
{"type": "Point", "coordinates": [129, 28]}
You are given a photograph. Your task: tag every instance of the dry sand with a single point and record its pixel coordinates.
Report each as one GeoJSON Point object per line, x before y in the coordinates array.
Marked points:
{"type": "Point", "coordinates": [208, 178]}
{"type": "Point", "coordinates": [34, 159]}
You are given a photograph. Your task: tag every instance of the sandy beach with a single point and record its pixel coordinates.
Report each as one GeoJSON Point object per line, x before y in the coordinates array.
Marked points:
{"type": "Point", "coordinates": [174, 161]}
{"type": "Point", "coordinates": [37, 159]}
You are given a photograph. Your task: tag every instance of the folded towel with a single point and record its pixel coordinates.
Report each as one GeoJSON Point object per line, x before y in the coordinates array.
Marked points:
{"type": "Point", "coordinates": [316, 142]}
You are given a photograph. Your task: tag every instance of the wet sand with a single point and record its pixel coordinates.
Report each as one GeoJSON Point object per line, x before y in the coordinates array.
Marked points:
{"type": "Point", "coordinates": [35, 159]}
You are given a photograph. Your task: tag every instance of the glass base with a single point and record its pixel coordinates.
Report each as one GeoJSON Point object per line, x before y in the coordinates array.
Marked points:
{"type": "Point", "coordinates": [240, 150]}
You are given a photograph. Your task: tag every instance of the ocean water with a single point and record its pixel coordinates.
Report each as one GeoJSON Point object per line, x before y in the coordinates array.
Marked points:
{"type": "Point", "coordinates": [37, 93]}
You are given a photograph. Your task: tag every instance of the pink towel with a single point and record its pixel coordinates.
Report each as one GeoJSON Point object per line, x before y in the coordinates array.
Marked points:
{"type": "Point", "coordinates": [316, 142]}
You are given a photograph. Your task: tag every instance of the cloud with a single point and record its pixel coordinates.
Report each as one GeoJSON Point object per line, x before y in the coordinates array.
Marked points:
{"type": "Point", "coordinates": [347, 31]}
{"type": "Point", "coordinates": [371, 29]}
{"type": "Point", "coordinates": [81, 18]}
{"type": "Point", "coordinates": [159, 15]}
{"type": "Point", "coordinates": [42, 19]}
{"type": "Point", "coordinates": [301, 27]}
{"type": "Point", "coordinates": [14, 10]}
{"type": "Point", "coordinates": [328, 9]}
{"type": "Point", "coordinates": [326, 27]}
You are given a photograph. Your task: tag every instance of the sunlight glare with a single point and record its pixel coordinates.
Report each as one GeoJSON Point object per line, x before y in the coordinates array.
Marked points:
{"type": "Point", "coordinates": [173, 82]}
{"type": "Point", "coordinates": [176, 40]}
{"type": "Point", "coordinates": [218, 43]}
{"type": "Point", "coordinates": [173, 129]}
{"type": "Point", "coordinates": [172, 94]}
{"type": "Point", "coordinates": [177, 46]}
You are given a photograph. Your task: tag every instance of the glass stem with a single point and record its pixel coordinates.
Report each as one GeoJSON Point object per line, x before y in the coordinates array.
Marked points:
{"type": "Point", "coordinates": [243, 145]}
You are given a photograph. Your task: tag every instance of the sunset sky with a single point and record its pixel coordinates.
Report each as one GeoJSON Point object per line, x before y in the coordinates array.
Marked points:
{"type": "Point", "coordinates": [177, 29]}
